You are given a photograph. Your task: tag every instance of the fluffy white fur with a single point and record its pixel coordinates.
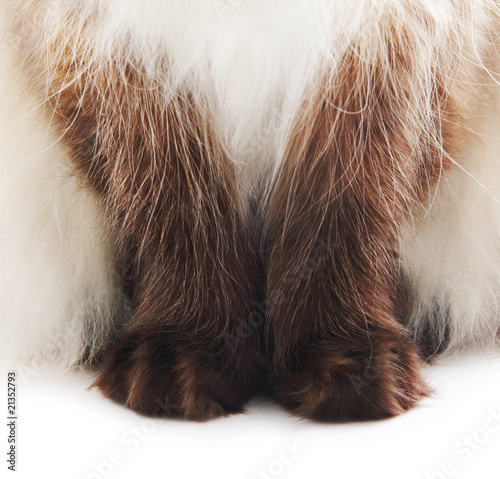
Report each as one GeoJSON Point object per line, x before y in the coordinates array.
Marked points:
{"type": "Point", "coordinates": [57, 285]}
{"type": "Point", "coordinates": [254, 62]}
{"type": "Point", "coordinates": [451, 253]}
{"type": "Point", "coordinates": [251, 62]}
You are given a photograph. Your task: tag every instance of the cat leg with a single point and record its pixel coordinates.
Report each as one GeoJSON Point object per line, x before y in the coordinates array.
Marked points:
{"type": "Point", "coordinates": [153, 156]}
{"type": "Point", "coordinates": [364, 151]}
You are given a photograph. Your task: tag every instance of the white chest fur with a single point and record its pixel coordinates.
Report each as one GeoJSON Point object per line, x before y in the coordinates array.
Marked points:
{"type": "Point", "coordinates": [251, 60]}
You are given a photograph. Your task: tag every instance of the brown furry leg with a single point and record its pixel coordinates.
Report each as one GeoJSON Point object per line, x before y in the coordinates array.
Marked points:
{"type": "Point", "coordinates": [358, 158]}
{"type": "Point", "coordinates": [170, 189]}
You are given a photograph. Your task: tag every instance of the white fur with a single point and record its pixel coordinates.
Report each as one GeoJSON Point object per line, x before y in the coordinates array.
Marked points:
{"type": "Point", "coordinates": [451, 252]}
{"type": "Point", "coordinates": [252, 61]}
{"type": "Point", "coordinates": [57, 286]}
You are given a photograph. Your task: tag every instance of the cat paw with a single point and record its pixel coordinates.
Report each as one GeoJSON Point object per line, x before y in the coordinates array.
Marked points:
{"type": "Point", "coordinates": [340, 381]}
{"type": "Point", "coordinates": [158, 373]}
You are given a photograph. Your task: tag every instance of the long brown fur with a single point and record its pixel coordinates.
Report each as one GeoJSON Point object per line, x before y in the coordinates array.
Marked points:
{"type": "Point", "coordinates": [353, 172]}
{"type": "Point", "coordinates": [170, 191]}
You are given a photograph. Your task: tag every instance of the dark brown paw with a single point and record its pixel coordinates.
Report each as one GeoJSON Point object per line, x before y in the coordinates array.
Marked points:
{"type": "Point", "coordinates": [161, 373]}
{"type": "Point", "coordinates": [338, 381]}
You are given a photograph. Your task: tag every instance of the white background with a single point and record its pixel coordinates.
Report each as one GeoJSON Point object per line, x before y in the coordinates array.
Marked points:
{"type": "Point", "coordinates": [67, 431]}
